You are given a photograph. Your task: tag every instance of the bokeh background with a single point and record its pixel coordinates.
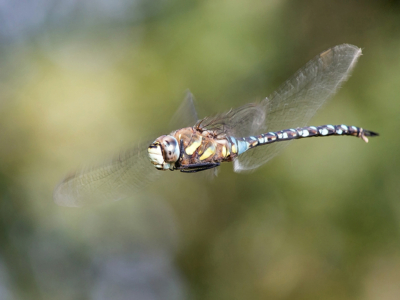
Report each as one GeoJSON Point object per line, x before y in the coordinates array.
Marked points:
{"type": "Point", "coordinates": [82, 79]}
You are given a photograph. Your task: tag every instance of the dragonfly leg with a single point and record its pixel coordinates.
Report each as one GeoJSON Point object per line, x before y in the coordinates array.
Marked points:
{"type": "Point", "coordinates": [197, 167]}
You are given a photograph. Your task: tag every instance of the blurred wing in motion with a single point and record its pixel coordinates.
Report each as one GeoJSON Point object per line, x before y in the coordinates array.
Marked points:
{"type": "Point", "coordinates": [246, 120]}
{"type": "Point", "coordinates": [298, 99]}
{"type": "Point", "coordinates": [186, 114]}
{"type": "Point", "coordinates": [114, 180]}
{"type": "Point", "coordinates": [121, 176]}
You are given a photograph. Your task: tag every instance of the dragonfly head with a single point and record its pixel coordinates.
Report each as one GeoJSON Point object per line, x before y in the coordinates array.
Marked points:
{"type": "Point", "coordinates": [164, 152]}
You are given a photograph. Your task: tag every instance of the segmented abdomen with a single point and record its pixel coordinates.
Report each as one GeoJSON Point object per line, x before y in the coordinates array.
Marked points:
{"type": "Point", "coordinates": [246, 143]}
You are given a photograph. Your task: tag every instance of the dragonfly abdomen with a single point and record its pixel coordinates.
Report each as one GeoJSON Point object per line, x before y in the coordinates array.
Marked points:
{"type": "Point", "coordinates": [246, 143]}
{"type": "Point", "coordinates": [320, 131]}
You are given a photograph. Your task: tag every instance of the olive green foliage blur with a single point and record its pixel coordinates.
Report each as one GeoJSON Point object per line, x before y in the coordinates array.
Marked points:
{"type": "Point", "coordinates": [320, 221]}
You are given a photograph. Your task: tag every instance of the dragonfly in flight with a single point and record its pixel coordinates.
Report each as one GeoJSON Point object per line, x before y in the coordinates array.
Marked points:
{"type": "Point", "coordinates": [248, 136]}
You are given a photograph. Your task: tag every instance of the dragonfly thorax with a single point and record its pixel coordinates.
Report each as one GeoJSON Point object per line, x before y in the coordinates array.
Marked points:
{"type": "Point", "coordinates": [164, 152]}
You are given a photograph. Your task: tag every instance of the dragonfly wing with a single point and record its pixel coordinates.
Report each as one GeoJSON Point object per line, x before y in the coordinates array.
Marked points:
{"type": "Point", "coordinates": [118, 178]}
{"type": "Point", "coordinates": [243, 121]}
{"type": "Point", "coordinates": [121, 176]}
{"type": "Point", "coordinates": [186, 115]}
{"type": "Point", "coordinates": [298, 99]}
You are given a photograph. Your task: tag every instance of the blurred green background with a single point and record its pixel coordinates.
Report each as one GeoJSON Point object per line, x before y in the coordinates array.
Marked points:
{"type": "Point", "coordinates": [80, 80]}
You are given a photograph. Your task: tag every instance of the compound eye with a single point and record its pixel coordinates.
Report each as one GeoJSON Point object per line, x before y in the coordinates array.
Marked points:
{"type": "Point", "coordinates": [171, 149]}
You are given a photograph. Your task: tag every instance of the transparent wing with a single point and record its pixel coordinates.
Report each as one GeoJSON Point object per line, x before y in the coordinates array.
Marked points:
{"type": "Point", "coordinates": [243, 121]}
{"type": "Point", "coordinates": [113, 180]}
{"type": "Point", "coordinates": [298, 99]}
{"type": "Point", "coordinates": [186, 115]}
{"type": "Point", "coordinates": [121, 176]}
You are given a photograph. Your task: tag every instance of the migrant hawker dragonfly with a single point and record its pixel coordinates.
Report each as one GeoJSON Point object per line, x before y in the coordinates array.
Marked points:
{"type": "Point", "coordinates": [248, 136]}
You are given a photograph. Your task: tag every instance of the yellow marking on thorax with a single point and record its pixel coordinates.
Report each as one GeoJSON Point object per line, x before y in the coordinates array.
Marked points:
{"type": "Point", "coordinates": [234, 149]}
{"type": "Point", "coordinates": [224, 151]}
{"type": "Point", "coordinates": [193, 146]}
{"type": "Point", "coordinates": [208, 152]}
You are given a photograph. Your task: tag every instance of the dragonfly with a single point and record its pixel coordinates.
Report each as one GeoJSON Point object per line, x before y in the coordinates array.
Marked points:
{"type": "Point", "coordinates": [247, 136]}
